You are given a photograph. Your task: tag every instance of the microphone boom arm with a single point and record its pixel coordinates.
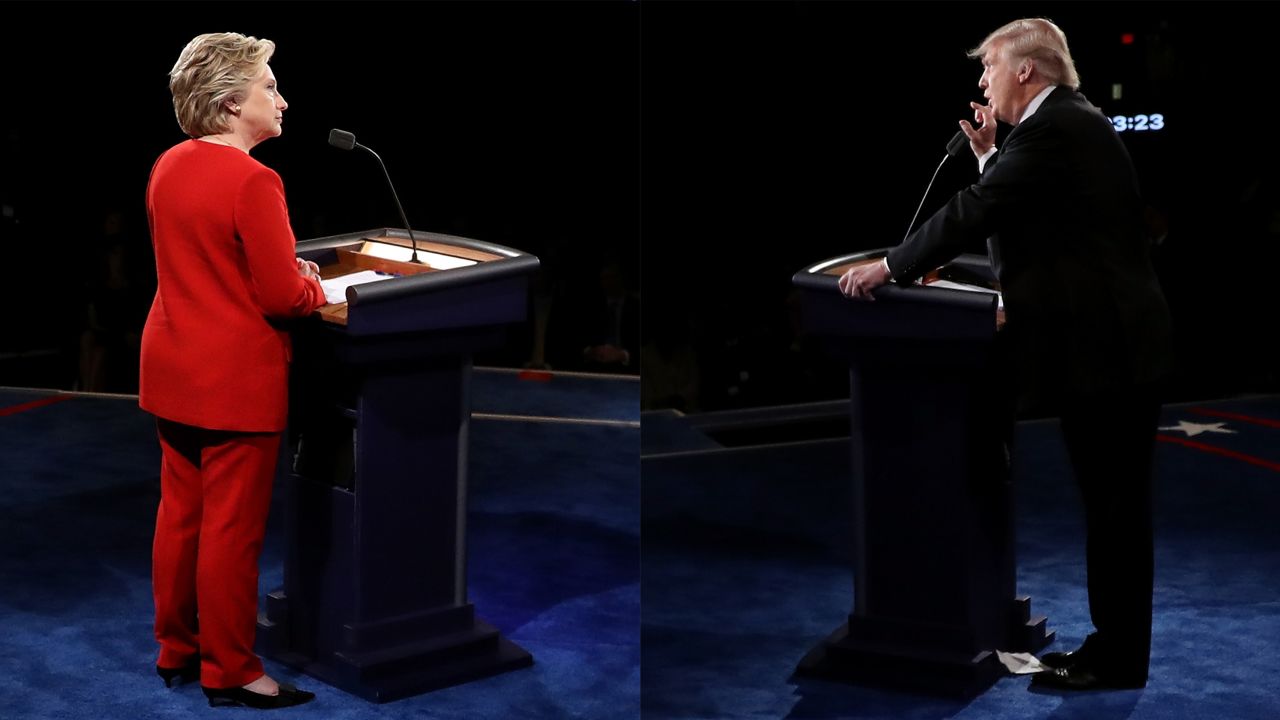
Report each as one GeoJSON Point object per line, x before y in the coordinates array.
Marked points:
{"type": "Point", "coordinates": [955, 146]}
{"type": "Point", "coordinates": [396, 197]}
{"type": "Point", "coordinates": [344, 140]}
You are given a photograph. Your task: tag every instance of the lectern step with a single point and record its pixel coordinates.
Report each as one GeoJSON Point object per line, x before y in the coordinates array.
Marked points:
{"type": "Point", "coordinates": [906, 668]}
{"type": "Point", "coordinates": [481, 639]}
{"type": "Point", "coordinates": [1022, 609]}
{"type": "Point", "coordinates": [1032, 636]}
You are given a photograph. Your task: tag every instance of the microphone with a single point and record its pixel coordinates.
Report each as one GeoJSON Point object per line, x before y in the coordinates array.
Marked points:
{"type": "Point", "coordinates": [955, 146]}
{"type": "Point", "coordinates": [344, 140]}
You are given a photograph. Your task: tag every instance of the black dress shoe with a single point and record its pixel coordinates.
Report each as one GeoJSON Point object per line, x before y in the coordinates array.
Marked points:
{"type": "Point", "coordinates": [1081, 677]}
{"type": "Point", "coordinates": [1062, 660]}
{"type": "Point", "coordinates": [1072, 658]}
{"type": "Point", "coordinates": [230, 697]}
{"type": "Point", "coordinates": [187, 673]}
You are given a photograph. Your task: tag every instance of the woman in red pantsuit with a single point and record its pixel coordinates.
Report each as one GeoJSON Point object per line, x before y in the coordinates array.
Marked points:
{"type": "Point", "coordinates": [215, 364]}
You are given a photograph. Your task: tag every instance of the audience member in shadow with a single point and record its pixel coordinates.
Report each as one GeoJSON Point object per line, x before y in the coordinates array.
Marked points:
{"type": "Point", "coordinates": [118, 293]}
{"type": "Point", "coordinates": [539, 315]}
{"type": "Point", "coordinates": [597, 329]}
{"type": "Point", "coordinates": [669, 366]}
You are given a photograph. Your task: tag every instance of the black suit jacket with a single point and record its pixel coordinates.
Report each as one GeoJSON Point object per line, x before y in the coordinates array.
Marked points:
{"type": "Point", "coordinates": [1060, 209]}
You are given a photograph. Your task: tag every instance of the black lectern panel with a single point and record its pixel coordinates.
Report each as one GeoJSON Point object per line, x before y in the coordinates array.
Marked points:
{"type": "Point", "coordinates": [933, 544]}
{"type": "Point", "coordinates": [375, 596]}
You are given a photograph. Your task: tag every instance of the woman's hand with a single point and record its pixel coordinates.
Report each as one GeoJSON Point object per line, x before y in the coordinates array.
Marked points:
{"type": "Point", "coordinates": [308, 269]}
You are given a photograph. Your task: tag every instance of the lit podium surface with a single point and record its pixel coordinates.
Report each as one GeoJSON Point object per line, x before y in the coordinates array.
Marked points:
{"type": "Point", "coordinates": [375, 590]}
{"type": "Point", "coordinates": [932, 506]}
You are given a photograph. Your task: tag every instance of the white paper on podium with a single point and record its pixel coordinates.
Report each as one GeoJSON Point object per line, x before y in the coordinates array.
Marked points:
{"type": "Point", "coordinates": [335, 289]}
{"type": "Point", "coordinates": [949, 285]}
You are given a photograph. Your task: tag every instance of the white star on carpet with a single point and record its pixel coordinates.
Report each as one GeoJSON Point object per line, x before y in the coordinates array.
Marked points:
{"type": "Point", "coordinates": [1193, 429]}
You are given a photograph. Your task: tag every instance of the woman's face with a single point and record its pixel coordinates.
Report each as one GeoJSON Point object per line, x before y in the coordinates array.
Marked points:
{"type": "Point", "coordinates": [262, 111]}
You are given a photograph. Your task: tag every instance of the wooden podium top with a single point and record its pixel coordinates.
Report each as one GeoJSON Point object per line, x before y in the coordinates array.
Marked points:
{"type": "Point", "coordinates": [371, 254]}
{"type": "Point", "coordinates": [382, 258]}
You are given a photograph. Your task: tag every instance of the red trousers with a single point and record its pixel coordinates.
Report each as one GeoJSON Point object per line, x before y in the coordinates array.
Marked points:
{"type": "Point", "coordinates": [215, 491]}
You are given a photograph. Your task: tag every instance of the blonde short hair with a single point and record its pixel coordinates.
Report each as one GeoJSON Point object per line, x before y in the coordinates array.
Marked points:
{"type": "Point", "coordinates": [1040, 40]}
{"type": "Point", "coordinates": [212, 69]}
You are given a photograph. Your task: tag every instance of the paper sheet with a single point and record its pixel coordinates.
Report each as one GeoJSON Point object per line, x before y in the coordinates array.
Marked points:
{"type": "Point", "coordinates": [949, 285]}
{"type": "Point", "coordinates": [960, 286]}
{"type": "Point", "coordinates": [335, 289]}
{"type": "Point", "coordinates": [1020, 663]}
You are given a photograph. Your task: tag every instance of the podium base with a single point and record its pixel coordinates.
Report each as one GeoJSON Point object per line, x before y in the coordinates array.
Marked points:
{"type": "Point", "coordinates": [841, 659]}
{"type": "Point", "coordinates": [406, 670]}
{"type": "Point", "coordinates": [889, 655]}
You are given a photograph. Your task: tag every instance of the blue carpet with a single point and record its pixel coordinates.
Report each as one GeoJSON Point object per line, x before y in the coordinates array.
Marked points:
{"type": "Point", "coordinates": [553, 552]}
{"type": "Point", "coordinates": [737, 591]}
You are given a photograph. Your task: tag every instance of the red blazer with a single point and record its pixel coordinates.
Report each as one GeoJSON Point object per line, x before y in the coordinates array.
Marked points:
{"type": "Point", "coordinates": [213, 353]}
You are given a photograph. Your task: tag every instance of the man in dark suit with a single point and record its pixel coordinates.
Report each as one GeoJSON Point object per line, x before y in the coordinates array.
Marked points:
{"type": "Point", "coordinates": [1087, 327]}
{"type": "Point", "coordinates": [608, 332]}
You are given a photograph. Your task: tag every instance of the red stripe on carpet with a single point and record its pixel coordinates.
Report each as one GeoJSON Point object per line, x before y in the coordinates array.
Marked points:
{"type": "Point", "coordinates": [15, 409]}
{"type": "Point", "coordinates": [1266, 422]}
{"type": "Point", "coordinates": [1220, 451]}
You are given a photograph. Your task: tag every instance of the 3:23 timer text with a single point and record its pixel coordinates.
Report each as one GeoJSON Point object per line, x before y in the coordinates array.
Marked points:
{"type": "Point", "coordinates": [1138, 123]}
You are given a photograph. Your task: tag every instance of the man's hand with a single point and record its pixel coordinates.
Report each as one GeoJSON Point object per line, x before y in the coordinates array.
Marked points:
{"type": "Point", "coordinates": [858, 281]}
{"type": "Point", "coordinates": [982, 138]}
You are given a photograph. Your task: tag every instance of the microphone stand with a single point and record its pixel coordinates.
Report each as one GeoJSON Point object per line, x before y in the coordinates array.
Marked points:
{"type": "Point", "coordinates": [396, 197]}
{"type": "Point", "coordinates": [955, 146]}
{"type": "Point", "coordinates": [344, 140]}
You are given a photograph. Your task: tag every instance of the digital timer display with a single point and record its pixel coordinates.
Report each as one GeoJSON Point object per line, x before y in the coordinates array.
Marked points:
{"type": "Point", "coordinates": [1138, 123]}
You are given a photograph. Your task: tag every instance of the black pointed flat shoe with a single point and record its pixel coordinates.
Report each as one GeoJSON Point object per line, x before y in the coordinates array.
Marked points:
{"type": "Point", "coordinates": [187, 673]}
{"type": "Point", "coordinates": [231, 697]}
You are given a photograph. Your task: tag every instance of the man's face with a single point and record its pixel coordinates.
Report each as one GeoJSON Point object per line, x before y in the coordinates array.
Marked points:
{"type": "Point", "coordinates": [999, 83]}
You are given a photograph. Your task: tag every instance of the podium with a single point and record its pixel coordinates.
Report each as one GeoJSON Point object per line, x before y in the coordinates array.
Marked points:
{"type": "Point", "coordinates": [932, 507]}
{"type": "Point", "coordinates": [375, 587]}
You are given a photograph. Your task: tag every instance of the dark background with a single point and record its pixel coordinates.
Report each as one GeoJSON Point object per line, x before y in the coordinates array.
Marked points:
{"type": "Point", "coordinates": [780, 134]}
{"type": "Point", "coordinates": [743, 141]}
{"type": "Point", "coordinates": [513, 123]}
